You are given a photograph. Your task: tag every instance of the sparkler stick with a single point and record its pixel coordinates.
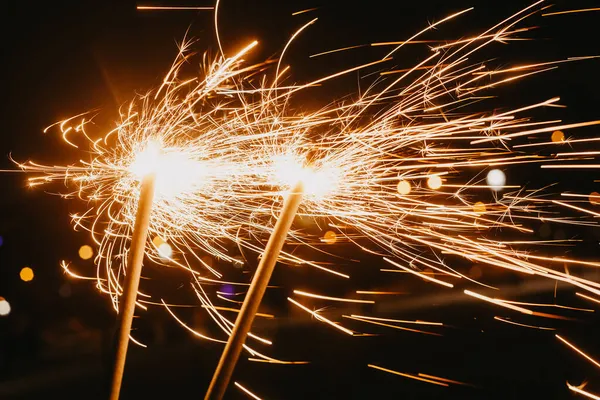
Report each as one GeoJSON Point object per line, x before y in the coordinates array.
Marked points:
{"type": "Point", "coordinates": [132, 281]}
{"type": "Point", "coordinates": [234, 345]}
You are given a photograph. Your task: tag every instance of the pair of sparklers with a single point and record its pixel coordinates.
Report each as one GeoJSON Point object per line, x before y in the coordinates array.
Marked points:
{"type": "Point", "coordinates": [204, 162]}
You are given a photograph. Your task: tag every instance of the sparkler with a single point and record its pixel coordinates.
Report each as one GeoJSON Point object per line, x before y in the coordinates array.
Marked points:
{"type": "Point", "coordinates": [395, 171]}
{"type": "Point", "coordinates": [132, 281]}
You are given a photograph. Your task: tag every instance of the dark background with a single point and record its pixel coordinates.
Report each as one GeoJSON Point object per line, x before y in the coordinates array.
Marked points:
{"type": "Point", "coordinates": [64, 58]}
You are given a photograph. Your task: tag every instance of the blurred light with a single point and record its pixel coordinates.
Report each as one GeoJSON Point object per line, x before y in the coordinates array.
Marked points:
{"type": "Point", "coordinates": [404, 187]}
{"type": "Point", "coordinates": [558, 136]}
{"type": "Point", "coordinates": [4, 307]}
{"type": "Point", "coordinates": [165, 250]}
{"type": "Point", "coordinates": [26, 274]}
{"type": "Point", "coordinates": [496, 179]}
{"type": "Point", "coordinates": [227, 289]}
{"type": "Point", "coordinates": [65, 290]}
{"type": "Point", "coordinates": [1, 240]}
{"type": "Point", "coordinates": [330, 237]}
{"type": "Point", "coordinates": [86, 252]}
{"type": "Point", "coordinates": [434, 182]}
{"type": "Point", "coordinates": [595, 198]}
{"type": "Point", "coordinates": [479, 207]}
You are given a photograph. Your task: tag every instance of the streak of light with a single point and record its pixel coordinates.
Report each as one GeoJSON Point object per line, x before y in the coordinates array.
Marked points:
{"type": "Point", "coordinates": [163, 8]}
{"type": "Point", "coordinates": [419, 274]}
{"type": "Point", "coordinates": [437, 378]}
{"type": "Point", "coordinates": [249, 393]}
{"type": "Point", "coordinates": [336, 50]}
{"type": "Point", "coordinates": [377, 292]}
{"type": "Point", "coordinates": [305, 11]}
{"type": "Point", "coordinates": [524, 325]}
{"type": "Point", "coordinates": [590, 359]}
{"type": "Point", "coordinates": [317, 296]}
{"type": "Point", "coordinates": [418, 378]}
{"type": "Point", "coordinates": [402, 328]}
{"type": "Point", "coordinates": [321, 318]}
{"type": "Point", "coordinates": [270, 361]}
{"type": "Point", "coordinates": [498, 302]}
{"type": "Point", "coordinates": [582, 392]}
{"type": "Point", "coordinates": [570, 11]}
{"type": "Point", "coordinates": [587, 297]}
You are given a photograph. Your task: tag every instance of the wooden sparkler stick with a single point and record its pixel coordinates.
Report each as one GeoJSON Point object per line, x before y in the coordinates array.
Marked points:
{"type": "Point", "coordinates": [132, 281]}
{"type": "Point", "coordinates": [234, 345]}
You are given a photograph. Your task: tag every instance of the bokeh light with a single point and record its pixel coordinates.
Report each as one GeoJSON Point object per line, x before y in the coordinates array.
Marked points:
{"type": "Point", "coordinates": [330, 237]}
{"type": "Point", "coordinates": [4, 307]}
{"type": "Point", "coordinates": [558, 136]}
{"type": "Point", "coordinates": [1, 240]}
{"type": "Point", "coordinates": [479, 207]}
{"type": "Point", "coordinates": [26, 274]}
{"type": "Point", "coordinates": [496, 179]}
{"type": "Point", "coordinates": [165, 250]}
{"type": "Point", "coordinates": [434, 182]}
{"type": "Point", "coordinates": [595, 199]}
{"type": "Point", "coordinates": [86, 252]}
{"type": "Point", "coordinates": [404, 187]}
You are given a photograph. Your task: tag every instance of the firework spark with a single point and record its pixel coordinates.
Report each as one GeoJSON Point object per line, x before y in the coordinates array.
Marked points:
{"type": "Point", "coordinates": [398, 170]}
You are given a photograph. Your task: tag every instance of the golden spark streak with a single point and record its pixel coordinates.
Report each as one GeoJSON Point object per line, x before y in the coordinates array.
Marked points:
{"type": "Point", "coordinates": [402, 328]}
{"type": "Point", "coordinates": [437, 378]}
{"type": "Point", "coordinates": [587, 297]}
{"type": "Point", "coordinates": [320, 317]}
{"type": "Point", "coordinates": [420, 274]}
{"type": "Point", "coordinates": [377, 292]}
{"type": "Point", "coordinates": [317, 296]}
{"type": "Point", "coordinates": [401, 321]}
{"type": "Point", "coordinates": [335, 51]}
{"type": "Point", "coordinates": [580, 390]}
{"type": "Point", "coordinates": [162, 8]}
{"type": "Point", "coordinates": [570, 11]}
{"type": "Point", "coordinates": [498, 302]}
{"type": "Point", "coordinates": [305, 11]}
{"type": "Point", "coordinates": [249, 393]}
{"type": "Point", "coordinates": [278, 361]}
{"type": "Point", "coordinates": [408, 375]}
{"type": "Point", "coordinates": [524, 325]}
{"type": "Point", "coordinates": [590, 359]}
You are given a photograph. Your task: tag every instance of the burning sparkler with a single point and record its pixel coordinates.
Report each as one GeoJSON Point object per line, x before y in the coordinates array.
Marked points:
{"type": "Point", "coordinates": [391, 171]}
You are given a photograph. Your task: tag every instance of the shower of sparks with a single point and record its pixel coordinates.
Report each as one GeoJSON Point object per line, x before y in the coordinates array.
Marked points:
{"type": "Point", "coordinates": [401, 170]}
